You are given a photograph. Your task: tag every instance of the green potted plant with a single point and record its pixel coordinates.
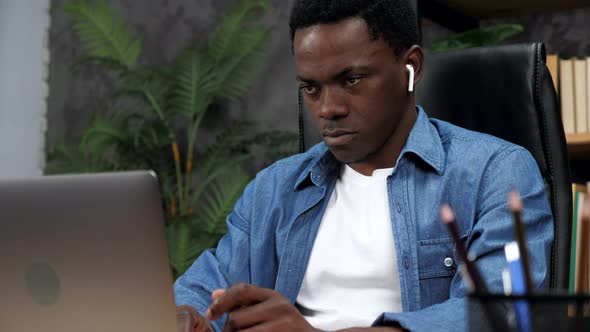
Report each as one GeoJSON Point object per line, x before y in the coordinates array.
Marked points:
{"type": "Point", "coordinates": [199, 186]}
{"type": "Point", "coordinates": [484, 36]}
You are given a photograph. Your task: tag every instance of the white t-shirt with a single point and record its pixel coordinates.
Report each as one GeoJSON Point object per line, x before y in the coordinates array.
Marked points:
{"type": "Point", "coordinates": [352, 276]}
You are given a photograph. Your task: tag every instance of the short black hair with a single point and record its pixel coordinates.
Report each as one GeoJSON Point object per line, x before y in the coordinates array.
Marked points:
{"type": "Point", "coordinates": [393, 20]}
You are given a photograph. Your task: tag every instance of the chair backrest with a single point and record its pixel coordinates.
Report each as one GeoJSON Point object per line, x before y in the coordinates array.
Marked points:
{"type": "Point", "coordinates": [505, 91]}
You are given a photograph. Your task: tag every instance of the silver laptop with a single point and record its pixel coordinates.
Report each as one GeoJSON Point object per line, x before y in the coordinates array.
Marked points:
{"type": "Point", "coordinates": [84, 253]}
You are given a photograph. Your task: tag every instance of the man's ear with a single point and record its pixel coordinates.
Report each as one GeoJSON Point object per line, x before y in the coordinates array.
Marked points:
{"type": "Point", "coordinates": [414, 56]}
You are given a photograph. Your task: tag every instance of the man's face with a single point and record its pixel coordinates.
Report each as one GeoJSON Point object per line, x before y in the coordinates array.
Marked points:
{"type": "Point", "coordinates": [354, 86]}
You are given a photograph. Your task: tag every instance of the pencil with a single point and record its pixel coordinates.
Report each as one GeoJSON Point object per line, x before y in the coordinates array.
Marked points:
{"type": "Point", "coordinates": [493, 310]}
{"type": "Point", "coordinates": [515, 204]}
{"type": "Point", "coordinates": [448, 218]}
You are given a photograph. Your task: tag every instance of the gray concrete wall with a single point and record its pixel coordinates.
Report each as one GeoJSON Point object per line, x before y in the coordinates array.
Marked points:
{"type": "Point", "coordinates": [564, 32]}
{"type": "Point", "coordinates": [169, 26]}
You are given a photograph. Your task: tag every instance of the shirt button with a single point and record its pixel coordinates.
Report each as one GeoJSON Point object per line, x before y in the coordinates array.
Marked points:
{"type": "Point", "coordinates": [448, 262]}
{"type": "Point", "coordinates": [399, 209]}
{"type": "Point", "coordinates": [407, 263]}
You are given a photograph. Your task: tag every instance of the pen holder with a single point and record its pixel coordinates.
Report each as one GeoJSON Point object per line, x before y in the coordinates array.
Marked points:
{"type": "Point", "coordinates": [546, 312]}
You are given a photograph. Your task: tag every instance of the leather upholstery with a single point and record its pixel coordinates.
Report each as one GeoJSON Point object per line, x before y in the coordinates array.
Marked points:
{"type": "Point", "coordinates": [505, 91]}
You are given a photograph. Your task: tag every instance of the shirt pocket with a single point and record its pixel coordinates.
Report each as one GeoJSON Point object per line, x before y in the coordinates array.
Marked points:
{"type": "Point", "coordinates": [437, 265]}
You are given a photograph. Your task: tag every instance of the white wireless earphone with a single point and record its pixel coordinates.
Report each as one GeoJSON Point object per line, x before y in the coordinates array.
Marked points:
{"type": "Point", "coordinates": [411, 80]}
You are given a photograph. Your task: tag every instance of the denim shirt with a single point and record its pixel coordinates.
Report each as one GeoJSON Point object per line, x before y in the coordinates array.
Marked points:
{"type": "Point", "coordinates": [273, 226]}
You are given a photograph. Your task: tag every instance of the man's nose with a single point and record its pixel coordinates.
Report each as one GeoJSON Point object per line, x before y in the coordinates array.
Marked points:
{"type": "Point", "coordinates": [333, 104]}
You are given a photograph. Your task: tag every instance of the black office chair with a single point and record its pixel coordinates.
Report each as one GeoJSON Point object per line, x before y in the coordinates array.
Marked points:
{"type": "Point", "coordinates": [505, 91]}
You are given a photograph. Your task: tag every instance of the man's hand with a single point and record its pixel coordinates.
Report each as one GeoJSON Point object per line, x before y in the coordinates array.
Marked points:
{"type": "Point", "coordinates": [252, 308]}
{"type": "Point", "coordinates": [189, 320]}
{"type": "Point", "coordinates": [373, 329]}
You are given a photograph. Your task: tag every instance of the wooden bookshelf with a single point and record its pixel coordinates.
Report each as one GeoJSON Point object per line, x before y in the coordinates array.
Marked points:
{"type": "Point", "coordinates": [578, 146]}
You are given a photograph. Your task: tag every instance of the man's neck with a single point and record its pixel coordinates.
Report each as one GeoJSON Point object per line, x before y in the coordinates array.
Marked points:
{"type": "Point", "coordinates": [389, 152]}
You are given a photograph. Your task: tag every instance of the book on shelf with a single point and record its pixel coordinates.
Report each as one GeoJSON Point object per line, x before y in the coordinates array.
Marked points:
{"type": "Point", "coordinates": [566, 94]}
{"type": "Point", "coordinates": [571, 79]}
{"type": "Point", "coordinates": [581, 112]}
{"type": "Point", "coordinates": [579, 192]}
{"type": "Point", "coordinates": [553, 66]}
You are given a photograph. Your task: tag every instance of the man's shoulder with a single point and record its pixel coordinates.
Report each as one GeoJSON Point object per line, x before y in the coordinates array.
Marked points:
{"type": "Point", "coordinates": [457, 139]}
{"type": "Point", "coordinates": [290, 169]}
{"type": "Point", "coordinates": [474, 157]}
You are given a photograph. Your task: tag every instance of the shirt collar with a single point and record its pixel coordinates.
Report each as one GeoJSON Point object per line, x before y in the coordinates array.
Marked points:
{"type": "Point", "coordinates": [424, 141]}
{"type": "Point", "coordinates": [319, 168]}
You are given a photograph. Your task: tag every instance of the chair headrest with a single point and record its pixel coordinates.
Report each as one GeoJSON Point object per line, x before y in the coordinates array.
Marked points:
{"type": "Point", "coordinates": [505, 91]}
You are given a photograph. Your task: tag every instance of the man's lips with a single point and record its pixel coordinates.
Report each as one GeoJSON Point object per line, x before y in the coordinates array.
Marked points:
{"type": "Point", "coordinates": [338, 137]}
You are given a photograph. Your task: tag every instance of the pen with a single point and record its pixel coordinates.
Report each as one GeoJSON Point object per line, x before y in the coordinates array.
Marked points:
{"type": "Point", "coordinates": [518, 286]}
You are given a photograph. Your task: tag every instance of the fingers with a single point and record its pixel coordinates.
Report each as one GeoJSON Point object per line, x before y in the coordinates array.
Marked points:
{"type": "Point", "coordinates": [216, 294]}
{"type": "Point", "coordinates": [235, 297]}
{"type": "Point", "coordinates": [203, 325]}
{"type": "Point", "coordinates": [189, 320]}
{"type": "Point", "coordinates": [185, 319]}
{"type": "Point", "coordinates": [185, 325]}
{"type": "Point", "coordinates": [260, 313]}
{"type": "Point", "coordinates": [269, 326]}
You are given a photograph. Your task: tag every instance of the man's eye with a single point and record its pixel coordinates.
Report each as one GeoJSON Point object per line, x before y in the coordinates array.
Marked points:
{"type": "Point", "coordinates": [309, 89]}
{"type": "Point", "coordinates": [352, 81]}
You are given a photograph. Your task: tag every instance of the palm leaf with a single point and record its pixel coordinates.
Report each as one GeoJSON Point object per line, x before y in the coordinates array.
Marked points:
{"type": "Point", "coordinates": [235, 74]}
{"type": "Point", "coordinates": [105, 132]}
{"type": "Point", "coordinates": [236, 49]}
{"type": "Point", "coordinates": [221, 158]}
{"type": "Point", "coordinates": [104, 34]}
{"type": "Point", "coordinates": [147, 131]}
{"type": "Point", "coordinates": [223, 148]}
{"type": "Point", "coordinates": [276, 144]}
{"type": "Point", "coordinates": [186, 242]}
{"type": "Point", "coordinates": [227, 38]}
{"type": "Point", "coordinates": [75, 157]}
{"type": "Point", "coordinates": [224, 168]}
{"type": "Point", "coordinates": [166, 179]}
{"type": "Point", "coordinates": [220, 200]}
{"type": "Point", "coordinates": [485, 36]}
{"type": "Point", "coordinates": [191, 92]}
{"type": "Point", "coordinates": [179, 245]}
{"type": "Point", "coordinates": [110, 63]}
{"type": "Point", "coordinates": [152, 84]}
{"type": "Point", "coordinates": [146, 145]}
